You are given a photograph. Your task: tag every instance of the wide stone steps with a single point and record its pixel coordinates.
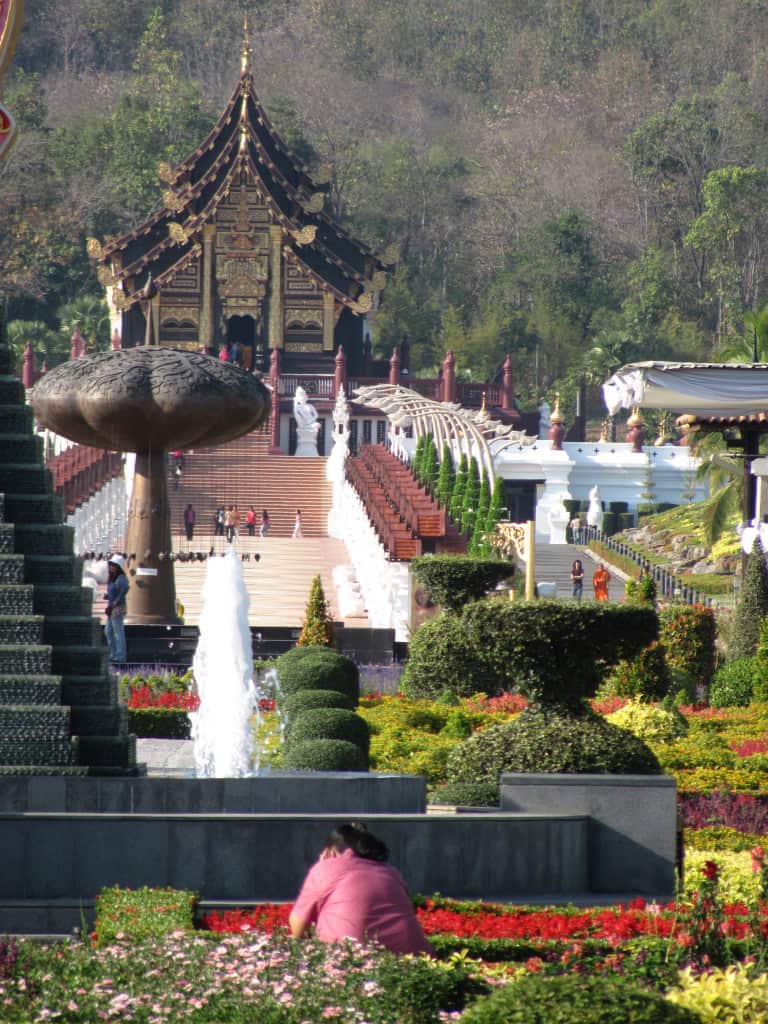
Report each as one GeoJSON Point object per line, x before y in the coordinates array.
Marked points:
{"type": "Point", "coordinates": [553, 564]}
{"type": "Point", "coordinates": [243, 473]}
{"type": "Point", "coordinates": [21, 629]}
{"type": "Point", "coordinates": [25, 659]}
{"type": "Point", "coordinates": [278, 584]}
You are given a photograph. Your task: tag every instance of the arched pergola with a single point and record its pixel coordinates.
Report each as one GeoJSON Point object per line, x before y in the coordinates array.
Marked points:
{"type": "Point", "coordinates": [475, 432]}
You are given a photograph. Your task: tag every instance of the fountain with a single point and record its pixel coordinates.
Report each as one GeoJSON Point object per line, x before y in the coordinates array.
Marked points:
{"type": "Point", "coordinates": [223, 674]}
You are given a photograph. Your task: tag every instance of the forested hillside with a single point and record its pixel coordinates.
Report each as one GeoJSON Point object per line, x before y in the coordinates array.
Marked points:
{"type": "Point", "coordinates": [579, 182]}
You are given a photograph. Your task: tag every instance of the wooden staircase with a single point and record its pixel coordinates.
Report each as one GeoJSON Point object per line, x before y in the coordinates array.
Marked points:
{"type": "Point", "coordinates": [243, 473]}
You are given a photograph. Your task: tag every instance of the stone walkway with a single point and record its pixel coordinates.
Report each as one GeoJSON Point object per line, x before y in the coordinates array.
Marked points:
{"type": "Point", "coordinates": [169, 758]}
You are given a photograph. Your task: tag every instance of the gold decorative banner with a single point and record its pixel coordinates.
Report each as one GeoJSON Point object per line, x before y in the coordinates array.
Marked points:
{"type": "Point", "coordinates": [11, 17]}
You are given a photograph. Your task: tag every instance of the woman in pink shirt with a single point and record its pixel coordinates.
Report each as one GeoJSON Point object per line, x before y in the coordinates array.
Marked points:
{"type": "Point", "coordinates": [351, 892]}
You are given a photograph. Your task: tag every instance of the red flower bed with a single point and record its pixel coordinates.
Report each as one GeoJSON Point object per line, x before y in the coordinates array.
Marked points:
{"type": "Point", "coordinates": [749, 747]}
{"type": "Point", "coordinates": [144, 697]}
{"type": "Point", "coordinates": [615, 924]}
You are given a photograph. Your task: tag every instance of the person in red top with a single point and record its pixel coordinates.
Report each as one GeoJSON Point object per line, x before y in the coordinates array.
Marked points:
{"type": "Point", "coordinates": [352, 892]}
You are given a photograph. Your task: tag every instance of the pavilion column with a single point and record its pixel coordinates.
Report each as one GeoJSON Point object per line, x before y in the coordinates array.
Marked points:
{"type": "Point", "coordinates": [206, 312]}
{"type": "Point", "coordinates": [507, 385]}
{"type": "Point", "coordinates": [340, 374]}
{"type": "Point", "coordinates": [751, 446]}
{"type": "Point", "coordinates": [329, 310]}
{"type": "Point", "coordinates": [394, 367]}
{"type": "Point", "coordinates": [449, 378]}
{"type": "Point", "coordinates": [275, 286]}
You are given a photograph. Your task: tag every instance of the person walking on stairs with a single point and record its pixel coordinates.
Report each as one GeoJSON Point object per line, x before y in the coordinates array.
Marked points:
{"type": "Point", "coordinates": [600, 582]}
{"type": "Point", "coordinates": [189, 521]}
{"type": "Point", "coordinates": [577, 579]}
{"type": "Point", "coordinates": [218, 521]}
{"type": "Point", "coordinates": [264, 527]}
{"type": "Point", "coordinates": [229, 523]}
{"type": "Point", "coordinates": [297, 525]}
{"type": "Point", "coordinates": [250, 521]}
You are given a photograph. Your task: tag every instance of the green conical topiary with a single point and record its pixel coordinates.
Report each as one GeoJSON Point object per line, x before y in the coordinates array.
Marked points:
{"type": "Point", "coordinates": [752, 607]}
{"type": "Point", "coordinates": [471, 498]}
{"type": "Point", "coordinates": [429, 465]}
{"type": "Point", "coordinates": [317, 630]}
{"type": "Point", "coordinates": [496, 508]}
{"type": "Point", "coordinates": [418, 458]}
{"type": "Point", "coordinates": [445, 477]}
{"type": "Point", "coordinates": [460, 485]}
{"type": "Point", "coordinates": [478, 544]}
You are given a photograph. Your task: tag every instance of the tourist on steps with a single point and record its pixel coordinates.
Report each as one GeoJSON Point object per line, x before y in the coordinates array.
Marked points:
{"type": "Point", "coordinates": [297, 525]}
{"type": "Point", "coordinates": [352, 893]}
{"type": "Point", "coordinates": [600, 582]}
{"type": "Point", "coordinates": [189, 521]}
{"type": "Point", "coordinates": [218, 521]}
{"type": "Point", "coordinates": [577, 579]}
{"type": "Point", "coordinates": [229, 523]}
{"type": "Point", "coordinates": [250, 521]}
{"type": "Point", "coordinates": [264, 527]}
{"type": "Point", "coordinates": [114, 628]}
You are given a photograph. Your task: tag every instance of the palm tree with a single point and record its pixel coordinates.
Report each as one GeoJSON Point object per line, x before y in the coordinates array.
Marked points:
{"type": "Point", "coordinates": [91, 312]}
{"type": "Point", "coordinates": [752, 347]}
{"type": "Point", "coordinates": [725, 475]}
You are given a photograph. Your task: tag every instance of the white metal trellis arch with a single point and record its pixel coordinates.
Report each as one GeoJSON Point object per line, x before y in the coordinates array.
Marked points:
{"type": "Point", "coordinates": [476, 433]}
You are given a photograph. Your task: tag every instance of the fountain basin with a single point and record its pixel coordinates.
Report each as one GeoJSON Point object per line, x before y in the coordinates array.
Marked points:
{"type": "Point", "coordinates": [338, 793]}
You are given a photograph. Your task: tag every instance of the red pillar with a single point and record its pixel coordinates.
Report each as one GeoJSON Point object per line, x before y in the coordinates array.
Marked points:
{"type": "Point", "coordinates": [29, 372]}
{"type": "Point", "coordinates": [507, 385]}
{"type": "Point", "coordinates": [77, 346]}
{"type": "Point", "coordinates": [274, 380]}
{"type": "Point", "coordinates": [394, 367]}
{"type": "Point", "coordinates": [449, 378]}
{"type": "Point", "coordinates": [340, 372]}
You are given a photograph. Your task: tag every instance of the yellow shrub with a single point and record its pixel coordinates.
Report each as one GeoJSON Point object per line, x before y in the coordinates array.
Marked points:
{"type": "Point", "coordinates": [650, 722]}
{"type": "Point", "coordinates": [734, 996]}
{"type": "Point", "coordinates": [738, 883]}
{"type": "Point", "coordinates": [711, 780]}
{"type": "Point", "coordinates": [721, 837]}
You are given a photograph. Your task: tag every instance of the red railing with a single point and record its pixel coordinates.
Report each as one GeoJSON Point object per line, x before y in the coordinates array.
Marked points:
{"type": "Point", "coordinates": [419, 510]}
{"type": "Point", "coordinates": [79, 471]}
{"type": "Point", "coordinates": [398, 540]}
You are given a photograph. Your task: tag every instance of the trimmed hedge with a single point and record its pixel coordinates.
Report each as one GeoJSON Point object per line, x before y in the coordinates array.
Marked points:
{"type": "Point", "coordinates": [455, 580]}
{"type": "Point", "coordinates": [551, 739]}
{"type": "Point", "coordinates": [325, 756]}
{"type": "Point", "coordinates": [575, 999]}
{"type": "Point", "coordinates": [440, 659]}
{"type": "Point", "coordinates": [307, 700]}
{"type": "Point", "coordinates": [159, 723]}
{"type": "Point", "coordinates": [466, 794]}
{"type": "Point", "coordinates": [317, 668]}
{"type": "Point", "coordinates": [329, 724]}
{"type": "Point", "coordinates": [551, 651]}
{"type": "Point", "coordinates": [733, 684]}
{"type": "Point", "coordinates": [688, 634]}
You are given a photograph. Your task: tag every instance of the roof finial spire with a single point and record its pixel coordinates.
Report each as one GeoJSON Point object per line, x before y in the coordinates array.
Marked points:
{"type": "Point", "coordinates": [245, 53]}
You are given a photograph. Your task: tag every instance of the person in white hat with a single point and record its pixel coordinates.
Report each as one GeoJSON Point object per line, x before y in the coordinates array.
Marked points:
{"type": "Point", "coordinates": [117, 589]}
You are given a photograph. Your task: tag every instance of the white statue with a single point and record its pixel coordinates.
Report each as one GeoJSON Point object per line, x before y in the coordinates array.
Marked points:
{"type": "Point", "coordinates": [544, 420]}
{"type": "Point", "coordinates": [307, 425]}
{"type": "Point", "coordinates": [595, 509]}
{"type": "Point", "coordinates": [335, 468]}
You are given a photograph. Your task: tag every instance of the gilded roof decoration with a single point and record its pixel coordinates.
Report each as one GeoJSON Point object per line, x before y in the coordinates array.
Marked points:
{"type": "Point", "coordinates": [333, 258]}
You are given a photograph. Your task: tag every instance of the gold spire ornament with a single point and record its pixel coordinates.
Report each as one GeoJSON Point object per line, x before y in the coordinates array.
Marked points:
{"type": "Point", "coordinates": [557, 416]}
{"type": "Point", "coordinates": [604, 430]}
{"type": "Point", "coordinates": [93, 248]}
{"type": "Point", "coordinates": [246, 52]}
{"type": "Point", "coordinates": [636, 419]}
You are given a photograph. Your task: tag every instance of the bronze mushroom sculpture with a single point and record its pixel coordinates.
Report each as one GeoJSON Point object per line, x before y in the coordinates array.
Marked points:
{"type": "Point", "coordinates": [150, 400]}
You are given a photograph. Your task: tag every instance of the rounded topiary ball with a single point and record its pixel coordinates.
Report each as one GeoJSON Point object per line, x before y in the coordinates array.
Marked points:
{"type": "Point", "coordinates": [551, 739]}
{"type": "Point", "coordinates": [319, 668]}
{"type": "Point", "coordinates": [440, 659]}
{"type": "Point", "coordinates": [326, 756]}
{"type": "Point", "coordinates": [575, 999]}
{"type": "Point", "coordinates": [307, 700]}
{"type": "Point", "coordinates": [329, 724]}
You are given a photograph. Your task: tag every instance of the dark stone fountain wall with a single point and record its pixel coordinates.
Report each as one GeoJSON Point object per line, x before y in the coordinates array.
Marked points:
{"type": "Point", "coordinates": [59, 713]}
